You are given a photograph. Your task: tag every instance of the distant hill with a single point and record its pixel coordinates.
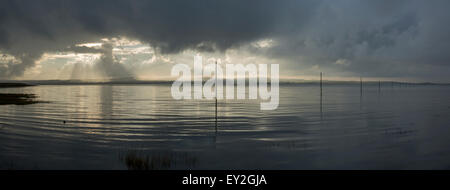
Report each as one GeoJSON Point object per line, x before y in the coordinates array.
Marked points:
{"type": "Point", "coordinates": [13, 84]}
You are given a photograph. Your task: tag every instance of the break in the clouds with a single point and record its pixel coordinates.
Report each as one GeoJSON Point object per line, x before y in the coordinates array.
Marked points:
{"type": "Point", "coordinates": [347, 38]}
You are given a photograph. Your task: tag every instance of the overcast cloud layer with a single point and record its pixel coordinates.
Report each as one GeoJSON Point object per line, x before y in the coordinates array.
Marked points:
{"type": "Point", "coordinates": [384, 38]}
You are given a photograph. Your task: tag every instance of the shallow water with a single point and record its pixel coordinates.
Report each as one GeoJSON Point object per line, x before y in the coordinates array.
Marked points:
{"type": "Point", "coordinates": [395, 128]}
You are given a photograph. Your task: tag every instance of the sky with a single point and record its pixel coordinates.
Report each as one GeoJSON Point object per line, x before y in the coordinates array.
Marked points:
{"type": "Point", "coordinates": [403, 40]}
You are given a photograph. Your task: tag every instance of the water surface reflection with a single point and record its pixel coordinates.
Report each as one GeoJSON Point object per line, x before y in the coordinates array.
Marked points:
{"type": "Point", "coordinates": [142, 127]}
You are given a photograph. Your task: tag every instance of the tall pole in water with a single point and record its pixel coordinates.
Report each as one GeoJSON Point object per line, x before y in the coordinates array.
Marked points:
{"type": "Point", "coordinates": [360, 91]}
{"type": "Point", "coordinates": [360, 85]}
{"type": "Point", "coordinates": [320, 95]}
{"type": "Point", "coordinates": [320, 84]}
{"type": "Point", "coordinates": [379, 86]}
{"type": "Point", "coordinates": [216, 95]}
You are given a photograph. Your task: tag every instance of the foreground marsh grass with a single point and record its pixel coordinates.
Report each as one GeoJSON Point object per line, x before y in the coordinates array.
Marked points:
{"type": "Point", "coordinates": [137, 160]}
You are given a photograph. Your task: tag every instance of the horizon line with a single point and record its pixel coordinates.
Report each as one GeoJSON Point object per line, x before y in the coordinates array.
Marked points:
{"type": "Point", "coordinates": [139, 81]}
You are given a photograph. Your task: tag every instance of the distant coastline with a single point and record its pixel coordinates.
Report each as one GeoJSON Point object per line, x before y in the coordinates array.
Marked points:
{"type": "Point", "coordinates": [14, 84]}
{"type": "Point", "coordinates": [26, 83]}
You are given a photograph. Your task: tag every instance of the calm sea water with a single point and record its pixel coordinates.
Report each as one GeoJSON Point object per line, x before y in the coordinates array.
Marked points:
{"type": "Point", "coordinates": [109, 126]}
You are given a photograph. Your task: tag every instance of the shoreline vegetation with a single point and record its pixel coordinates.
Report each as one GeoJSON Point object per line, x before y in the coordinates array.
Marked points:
{"type": "Point", "coordinates": [17, 98]}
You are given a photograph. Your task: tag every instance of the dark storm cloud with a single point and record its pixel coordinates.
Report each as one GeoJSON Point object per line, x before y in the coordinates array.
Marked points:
{"type": "Point", "coordinates": [375, 38]}
{"type": "Point", "coordinates": [29, 28]}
